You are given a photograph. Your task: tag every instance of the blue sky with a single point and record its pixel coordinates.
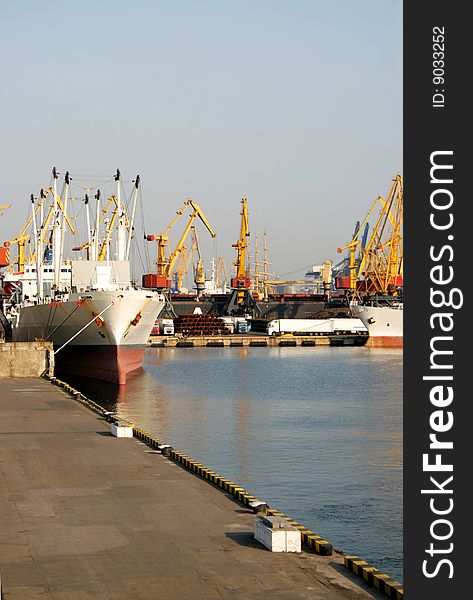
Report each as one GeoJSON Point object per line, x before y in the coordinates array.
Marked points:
{"type": "Point", "coordinates": [295, 104]}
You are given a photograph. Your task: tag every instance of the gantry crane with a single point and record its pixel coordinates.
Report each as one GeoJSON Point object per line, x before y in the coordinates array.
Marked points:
{"type": "Point", "coordinates": [165, 265]}
{"type": "Point", "coordinates": [379, 266]}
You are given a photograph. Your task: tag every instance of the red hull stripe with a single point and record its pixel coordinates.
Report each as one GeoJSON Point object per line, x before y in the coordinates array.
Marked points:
{"type": "Point", "coordinates": [385, 341]}
{"type": "Point", "coordinates": [108, 363]}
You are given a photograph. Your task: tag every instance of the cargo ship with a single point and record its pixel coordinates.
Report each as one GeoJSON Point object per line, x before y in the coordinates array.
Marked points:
{"type": "Point", "coordinates": [384, 320]}
{"type": "Point", "coordinates": [98, 320]}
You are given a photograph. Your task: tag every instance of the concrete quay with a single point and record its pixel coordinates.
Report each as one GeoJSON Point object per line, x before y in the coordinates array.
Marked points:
{"type": "Point", "coordinates": [26, 359]}
{"type": "Point", "coordinates": [86, 515]}
{"type": "Point", "coordinates": [255, 340]}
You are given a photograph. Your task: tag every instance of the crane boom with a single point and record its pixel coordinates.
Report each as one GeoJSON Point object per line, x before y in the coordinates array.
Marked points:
{"type": "Point", "coordinates": [197, 212]}
{"type": "Point", "coordinates": [379, 268]}
{"type": "Point", "coordinates": [242, 244]}
{"type": "Point", "coordinates": [167, 264]}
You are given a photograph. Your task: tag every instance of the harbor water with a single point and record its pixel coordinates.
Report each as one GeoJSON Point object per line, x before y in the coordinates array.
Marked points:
{"type": "Point", "coordinates": [315, 432]}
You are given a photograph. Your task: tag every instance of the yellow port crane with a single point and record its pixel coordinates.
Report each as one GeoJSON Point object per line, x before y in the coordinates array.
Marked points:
{"type": "Point", "coordinates": [165, 265]}
{"type": "Point", "coordinates": [241, 302]}
{"type": "Point", "coordinates": [181, 268]}
{"type": "Point", "coordinates": [379, 269]}
{"type": "Point", "coordinates": [242, 280]}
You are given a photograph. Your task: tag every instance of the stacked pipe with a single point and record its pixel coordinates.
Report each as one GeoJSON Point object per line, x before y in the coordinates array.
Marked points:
{"type": "Point", "coordinates": [190, 325]}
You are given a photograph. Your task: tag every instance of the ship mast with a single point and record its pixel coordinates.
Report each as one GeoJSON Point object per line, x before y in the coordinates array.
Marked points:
{"type": "Point", "coordinates": [265, 267]}
{"type": "Point", "coordinates": [89, 232]}
{"type": "Point", "coordinates": [132, 219]}
{"type": "Point", "coordinates": [36, 247]}
{"type": "Point", "coordinates": [257, 266]}
{"type": "Point", "coordinates": [95, 235]}
{"type": "Point", "coordinates": [121, 227]}
{"type": "Point", "coordinates": [64, 214]}
{"type": "Point", "coordinates": [40, 291]}
{"type": "Point", "coordinates": [56, 234]}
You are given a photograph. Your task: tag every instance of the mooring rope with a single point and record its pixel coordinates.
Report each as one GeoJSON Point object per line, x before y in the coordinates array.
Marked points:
{"type": "Point", "coordinates": [85, 327]}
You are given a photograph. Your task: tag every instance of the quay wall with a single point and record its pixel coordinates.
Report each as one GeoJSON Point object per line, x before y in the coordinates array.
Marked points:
{"type": "Point", "coordinates": [26, 359]}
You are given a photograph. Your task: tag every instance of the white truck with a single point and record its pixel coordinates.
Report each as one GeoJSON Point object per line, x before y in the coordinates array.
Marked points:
{"type": "Point", "coordinates": [316, 326]}
{"type": "Point", "coordinates": [237, 324]}
{"type": "Point", "coordinates": [163, 327]}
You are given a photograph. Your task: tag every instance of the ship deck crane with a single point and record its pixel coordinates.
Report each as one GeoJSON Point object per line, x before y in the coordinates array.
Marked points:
{"type": "Point", "coordinates": [23, 238]}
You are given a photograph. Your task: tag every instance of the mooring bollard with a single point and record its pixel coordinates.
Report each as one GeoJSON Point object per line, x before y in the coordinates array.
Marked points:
{"type": "Point", "coordinates": [259, 507]}
{"type": "Point", "coordinates": [165, 449]}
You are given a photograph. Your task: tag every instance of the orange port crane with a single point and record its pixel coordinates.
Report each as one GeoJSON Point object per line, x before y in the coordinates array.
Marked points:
{"type": "Point", "coordinates": [165, 264]}
{"type": "Point", "coordinates": [4, 252]}
{"type": "Point", "coordinates": [379, 267]}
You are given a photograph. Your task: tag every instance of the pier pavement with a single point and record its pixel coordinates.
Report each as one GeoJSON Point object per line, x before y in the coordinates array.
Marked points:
{"type": "Point", "coordinates": [86, 515]}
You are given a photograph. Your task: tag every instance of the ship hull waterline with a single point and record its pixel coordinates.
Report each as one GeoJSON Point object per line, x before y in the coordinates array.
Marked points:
{"type": "Point", "coordinates": [102, 336]}
{"type": "Point", "coordinates": [107, 363]}
{"type": "Point", "coordinates": [385, 341]}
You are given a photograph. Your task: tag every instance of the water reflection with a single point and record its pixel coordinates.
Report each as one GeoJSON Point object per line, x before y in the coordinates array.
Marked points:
{"type": "Point", "coordinates": [317, 432]}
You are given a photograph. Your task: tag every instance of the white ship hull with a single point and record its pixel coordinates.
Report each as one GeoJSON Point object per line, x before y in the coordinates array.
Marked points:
{"type": "Point", "coordinates": [99, 334]}
{"type": "Point", "coordinates": [384, 324]}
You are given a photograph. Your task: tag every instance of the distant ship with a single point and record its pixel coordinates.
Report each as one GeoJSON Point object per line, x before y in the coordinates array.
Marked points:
{"type": "Point", "coordinates": [384, 320]}
{"type": "Point", "coordinates": [98, 321]}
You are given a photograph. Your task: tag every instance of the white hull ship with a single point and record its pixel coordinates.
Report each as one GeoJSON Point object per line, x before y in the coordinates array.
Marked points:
{"type": "Point", "coordinates": [98, 321]}
{"type": "Point", "coordinates": [384, 323]}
